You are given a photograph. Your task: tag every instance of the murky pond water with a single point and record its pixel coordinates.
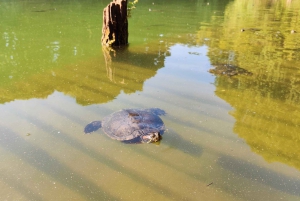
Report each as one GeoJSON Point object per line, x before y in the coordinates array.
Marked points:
{"type": "Point", "coordinates": [228, 137]}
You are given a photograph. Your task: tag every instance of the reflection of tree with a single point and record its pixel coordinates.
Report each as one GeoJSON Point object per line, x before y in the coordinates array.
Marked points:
{"type": "Point", "coordinates": [268, 125]}
{"type": "Point", "coordinates": [90, 81]}
{"type": "Point", "coordinates": [108, 61]}
{"type": "Point", "coordinates": [120, 62]}
{"type": "Point", "coordinates": [267, 110]}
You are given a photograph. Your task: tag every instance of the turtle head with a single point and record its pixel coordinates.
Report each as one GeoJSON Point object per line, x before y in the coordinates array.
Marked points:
{"type": "Point", "coordinates": [151, 137]}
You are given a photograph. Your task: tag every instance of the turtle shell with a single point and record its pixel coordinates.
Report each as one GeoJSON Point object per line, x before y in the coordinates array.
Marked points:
{"type": "Point", "coordinates": [132, 123]}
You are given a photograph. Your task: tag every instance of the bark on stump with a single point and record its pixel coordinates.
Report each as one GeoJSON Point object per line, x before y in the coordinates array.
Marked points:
{"type": "Point", "coordinates": [115, 24]}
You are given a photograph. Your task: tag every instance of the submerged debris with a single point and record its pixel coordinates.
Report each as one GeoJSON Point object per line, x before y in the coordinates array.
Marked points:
{"type": "Point", "coordinates": [210, 184]}
{"type": "Point", "coordinates": [229, 70]}
{"type": "Point", "coordinates": [250, 29]}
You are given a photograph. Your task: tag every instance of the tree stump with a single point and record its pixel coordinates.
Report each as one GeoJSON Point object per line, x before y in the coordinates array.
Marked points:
{"type": "Point", "coordinates": [115, 24]}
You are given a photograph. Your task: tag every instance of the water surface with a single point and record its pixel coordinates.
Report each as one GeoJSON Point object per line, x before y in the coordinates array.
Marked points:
{"type": "Point", "coordinates": [227, 138]}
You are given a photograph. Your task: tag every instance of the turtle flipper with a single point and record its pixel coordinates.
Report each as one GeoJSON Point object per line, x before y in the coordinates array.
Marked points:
{"type": "Point", "coordinates": [156, 111]}
{"type": "Point", "coordinates": [91, 127]}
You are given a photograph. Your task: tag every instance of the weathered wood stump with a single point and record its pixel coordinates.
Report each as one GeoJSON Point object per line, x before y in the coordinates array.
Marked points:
{"type": "Point", "coordinates": [115, 24]}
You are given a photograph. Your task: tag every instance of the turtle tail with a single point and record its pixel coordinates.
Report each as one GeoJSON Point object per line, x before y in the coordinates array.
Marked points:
{"type": "Point", "coordinates": [91, 127]}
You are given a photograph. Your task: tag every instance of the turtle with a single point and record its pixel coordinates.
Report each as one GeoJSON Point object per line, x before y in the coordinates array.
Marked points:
{"type": "Point", "coordinates": [131, 125]}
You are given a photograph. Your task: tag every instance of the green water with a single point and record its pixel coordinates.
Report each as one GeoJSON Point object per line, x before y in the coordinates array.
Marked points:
{"type": "Point", "coordinates": [227, 138]}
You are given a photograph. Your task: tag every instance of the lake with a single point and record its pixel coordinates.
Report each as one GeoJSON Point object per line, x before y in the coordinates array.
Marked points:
{"type": "Point", "coordinates": [228, 136]}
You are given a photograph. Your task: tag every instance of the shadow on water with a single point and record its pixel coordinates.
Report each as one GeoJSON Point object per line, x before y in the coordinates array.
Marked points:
{"type": "Point", "coordinates": [58, 171]}
{"type": "Point", "coordinates": [174, 142]}
{"type": "Point", "coordinates": [262, 175]}
{"type": "Point", "coordinates": [177, 141]}
{"type": "Point", "coordinates": [42, 161]}
{"type": "Point", "coordinates": [19, 187]}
